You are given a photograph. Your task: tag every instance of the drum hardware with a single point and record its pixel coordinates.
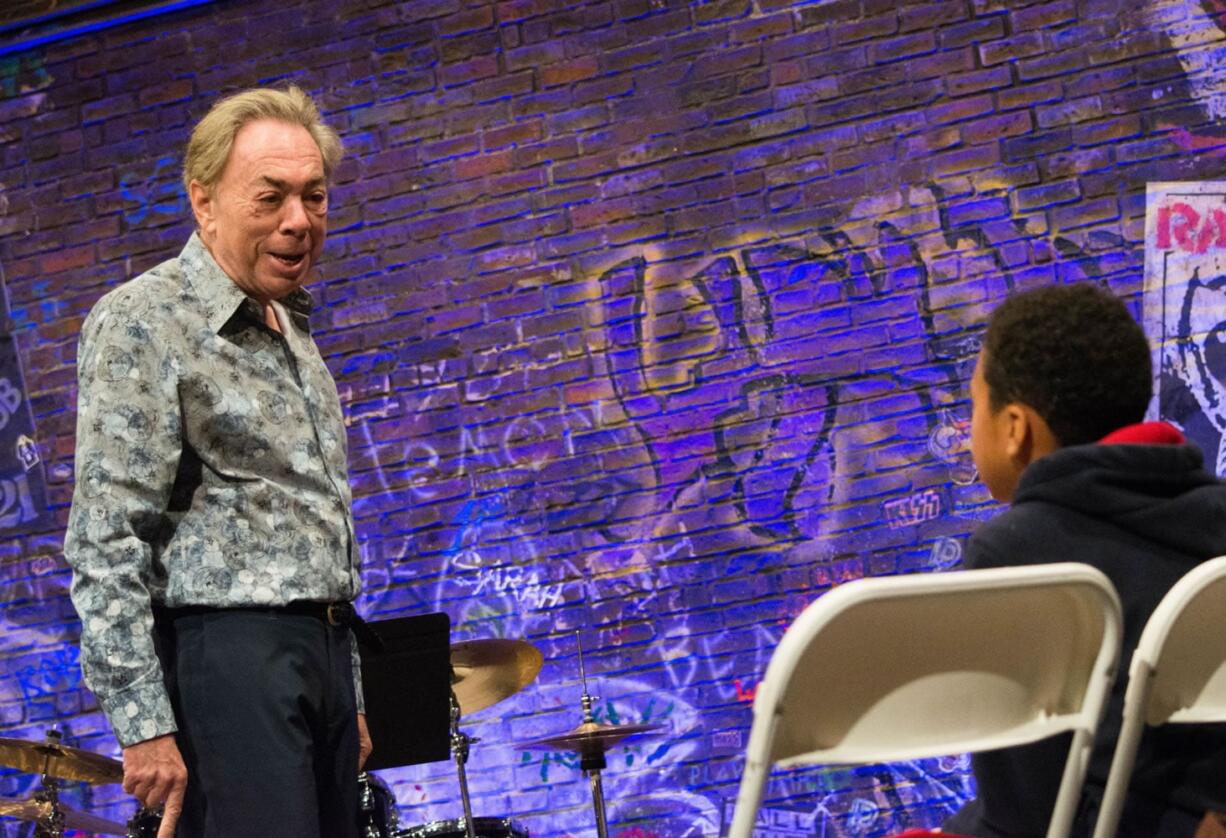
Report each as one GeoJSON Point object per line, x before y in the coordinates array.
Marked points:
{"type": "Point", "coordinates": [145, 823]}
{"type": "Point", "coordinates": [459, 749]}
{"type": "Point", "coordinates": [485, 828]}
{"type": "Point", "coordinates": [377, 814]}
{"type": "Point", "coordinates": [483, 673]}
{"type": "Point", "coordinates": [591, 741]}
{"type": "Point", "coordinates": [57, 762]}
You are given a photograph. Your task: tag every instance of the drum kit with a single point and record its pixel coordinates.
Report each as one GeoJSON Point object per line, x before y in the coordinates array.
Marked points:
{"type": "Point", "coordinates": [484, 672]}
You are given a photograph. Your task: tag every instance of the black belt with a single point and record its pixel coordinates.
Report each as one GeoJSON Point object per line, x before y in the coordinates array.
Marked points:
{"type": "Point", "coordinates": [337, 614]}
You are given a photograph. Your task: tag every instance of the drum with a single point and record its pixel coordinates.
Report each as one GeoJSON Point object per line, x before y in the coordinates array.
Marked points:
{"type": "Point", "coordinates": [483, 827]}
{"type": "Point", "coordinates": [377, 814]}
{"type": "Point", "coordinates": [144, 824]}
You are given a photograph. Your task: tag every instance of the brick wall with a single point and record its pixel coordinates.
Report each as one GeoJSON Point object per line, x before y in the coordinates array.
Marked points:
{"type": "Point", "coordinates": [652, 320]}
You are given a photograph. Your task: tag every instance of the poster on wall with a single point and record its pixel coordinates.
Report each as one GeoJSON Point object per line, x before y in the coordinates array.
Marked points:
{"type": "Point", "coordinates": [22, 484]}
{"type": "Point", "coordinates": [1185, 310]}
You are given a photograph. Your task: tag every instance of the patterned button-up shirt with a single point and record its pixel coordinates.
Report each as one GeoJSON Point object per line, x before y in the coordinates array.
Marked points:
{"type": "Point", "coordinates": [210, 470]}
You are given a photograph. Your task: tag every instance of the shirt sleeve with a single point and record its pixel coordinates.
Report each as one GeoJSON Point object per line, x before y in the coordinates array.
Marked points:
{"type": "Point", "coordinates": [358, 695]}
{"type": "Point", "coordinates": [127, 454]}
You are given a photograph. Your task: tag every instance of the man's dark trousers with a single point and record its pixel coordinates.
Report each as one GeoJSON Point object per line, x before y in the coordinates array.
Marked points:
{"type": "Point", "coordinates": [267, 723]}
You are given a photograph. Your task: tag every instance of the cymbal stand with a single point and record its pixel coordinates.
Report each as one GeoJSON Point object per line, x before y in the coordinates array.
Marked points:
{"type": "Point", "coordinates": [592, 760]}
{"type": "Point", "coordinates": [459, 749]}
{"type": "Point", "coordinates": [50, 825]}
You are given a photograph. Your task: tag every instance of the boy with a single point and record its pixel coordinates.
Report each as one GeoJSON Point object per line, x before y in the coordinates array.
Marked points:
{"type": "Point", "coordinates": [1059, 391]}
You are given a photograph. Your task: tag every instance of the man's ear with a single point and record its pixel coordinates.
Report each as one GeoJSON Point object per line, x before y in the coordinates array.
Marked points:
{"type": "Point", "coordinates": [202, 206]}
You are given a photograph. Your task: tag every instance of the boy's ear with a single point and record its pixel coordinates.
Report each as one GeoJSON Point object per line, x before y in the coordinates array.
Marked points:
{"type": "Point", "coordinates": [1019, 433]}
{"type": "Point", "coordinates": [1028, 436]}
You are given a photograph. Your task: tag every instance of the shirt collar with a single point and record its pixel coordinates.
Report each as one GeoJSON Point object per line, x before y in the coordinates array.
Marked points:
{"type": "Point", "coordinates": [222, 298]}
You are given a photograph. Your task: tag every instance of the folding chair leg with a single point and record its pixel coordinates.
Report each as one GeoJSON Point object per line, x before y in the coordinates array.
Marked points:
{"type": "Point", "coordinates": [753, 781]}
{"type": "Point", "coordinates": [749, 798]}
{"type": "Point", "coordinates": [1125, 751]}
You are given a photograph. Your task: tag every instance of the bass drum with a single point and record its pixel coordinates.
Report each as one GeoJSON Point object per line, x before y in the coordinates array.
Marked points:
{"type": "Point", "coordinates": [483, 827]}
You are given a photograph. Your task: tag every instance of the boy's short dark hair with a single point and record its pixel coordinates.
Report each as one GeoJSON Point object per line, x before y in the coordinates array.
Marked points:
{"type": "Point", "coordinates": [1074, 354]}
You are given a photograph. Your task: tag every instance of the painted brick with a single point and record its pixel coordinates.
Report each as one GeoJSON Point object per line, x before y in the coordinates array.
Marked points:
{"type": "Point", "coordinates": [976, 81]}
{"type": "Point", "coordinates": [462, 72]}
{"type": "Point", "coordinates": [721, 10]}
{"type": "Point", "coordinates": [960, 109]}
{"type": "Point", "coordinates": [996, 127]}
{"type": "Point", "coordinates": [872, 27]}
{"type": "Point", "coordinates": [823, 14]}
{"type": "Point", "coordinates": [568, 72]}
{"type": "Point", "coordinates": [930, 16]}
{"type": "Point", "coordinates": [1011, 49]}
{"type": "Point", "coordinates": [1043, 16]}
{"type": "Point", "coordinates": [905, 46]}
{"type": "Point", "coordinates": [1090, 212]}
{"type": "Point", "coordinates": [1037, 197]}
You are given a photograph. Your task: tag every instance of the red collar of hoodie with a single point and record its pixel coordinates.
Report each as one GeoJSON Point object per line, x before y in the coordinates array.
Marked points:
{"type": "Point", "coordinates": [1145, 433]}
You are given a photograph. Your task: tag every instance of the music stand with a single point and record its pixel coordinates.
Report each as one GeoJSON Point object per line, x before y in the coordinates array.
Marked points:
{"type": "Point", "coordinates": [407, 686]}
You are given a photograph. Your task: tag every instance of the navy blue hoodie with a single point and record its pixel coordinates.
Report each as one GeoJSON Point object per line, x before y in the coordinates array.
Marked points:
{"type": "Point", "coordinates": [1144, 515]}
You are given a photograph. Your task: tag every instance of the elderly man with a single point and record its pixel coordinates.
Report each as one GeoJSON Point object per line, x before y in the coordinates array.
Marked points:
{"type": "Point", "coordinates": [211, 533]}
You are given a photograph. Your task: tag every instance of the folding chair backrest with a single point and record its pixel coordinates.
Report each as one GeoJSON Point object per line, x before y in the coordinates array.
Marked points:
{"type": "Point", "coordinates": [1177, 674]}
{"type": "Point", "coordinates": [899, 668]}
{"type": "Point", "coordinates": [1184, 644]}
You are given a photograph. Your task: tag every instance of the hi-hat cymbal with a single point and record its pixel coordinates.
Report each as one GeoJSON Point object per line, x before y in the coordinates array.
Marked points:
{"type": "Point", "coordinates": [59, 761]}
{"type": "Point", "coordinates": [589, 738]}
{"type": "Point", "coordinates": [35, 810]}
{"type": "Point", "coordinates": [484, 672]}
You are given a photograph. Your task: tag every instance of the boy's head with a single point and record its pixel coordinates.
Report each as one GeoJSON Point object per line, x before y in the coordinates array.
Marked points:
{"type": "Point", "coordinates": [1064, 365]}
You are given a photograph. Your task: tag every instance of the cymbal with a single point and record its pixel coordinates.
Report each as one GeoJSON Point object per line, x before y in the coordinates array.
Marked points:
{"type": "Point", "coordinates": [60, 761]}
{"type": "Point", "coordinates": [484, 672]}
{"type": "Point", "coordinates": [589, 738]}
{"type": "Point", "coordinates": [34, 810]}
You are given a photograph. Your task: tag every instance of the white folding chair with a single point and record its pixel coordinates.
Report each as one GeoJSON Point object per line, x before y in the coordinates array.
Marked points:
{"type": "Point", "coordinates": [899, 668]}
{"type": "Point", "coordinates": [1177, 675]}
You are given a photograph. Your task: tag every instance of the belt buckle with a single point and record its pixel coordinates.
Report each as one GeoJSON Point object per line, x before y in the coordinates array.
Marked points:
{"type": "Point", "coordinates": [334, 613]}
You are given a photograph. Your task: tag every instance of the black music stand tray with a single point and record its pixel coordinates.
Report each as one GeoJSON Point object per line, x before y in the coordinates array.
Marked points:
{"type": "Point", "coordinates": [407, 686]}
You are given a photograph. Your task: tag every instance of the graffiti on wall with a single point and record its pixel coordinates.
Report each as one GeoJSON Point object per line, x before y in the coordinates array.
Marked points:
{"type": "Point", "coordinates": [23, 74]}
{"type": "Point", "coordinates": [737, 435]}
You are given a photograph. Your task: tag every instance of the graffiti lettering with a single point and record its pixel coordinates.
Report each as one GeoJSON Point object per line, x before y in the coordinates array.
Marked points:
{"type": "Point", "coordinates": [55, 673]}
{"type": "Point", "coordinates": [158, 193]}
{"type": "Point", "coordinates": [22, 74]}
{"type": "Point", "coordinates": [524, 585]}
{"type": "Point", "coordinates": [746, 694]}
{"type": "Point", "coordinates": [16, 502]}
{"type": "Point", "coordinates": [1179, 224]}
{"type": "Point", "coordinates": [946, 553]}
{"type": "Point", "coordinates": [10, 400]}
{"type": "Point", "coordinates": [912, 510]}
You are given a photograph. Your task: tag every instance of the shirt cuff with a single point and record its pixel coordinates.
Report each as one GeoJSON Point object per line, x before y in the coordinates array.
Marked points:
{"type": "Point", "coordinates": [139, 712]}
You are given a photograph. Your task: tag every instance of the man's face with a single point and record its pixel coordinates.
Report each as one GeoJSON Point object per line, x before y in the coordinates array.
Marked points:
{"type": "Point", "coordinates": [265, 219]}
{"type": "Point", "coordinates": [990, 439]}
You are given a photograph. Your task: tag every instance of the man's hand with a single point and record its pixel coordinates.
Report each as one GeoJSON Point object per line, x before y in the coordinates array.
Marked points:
{"type": "Point", "coordinates": [154, 773]}
{"type": "Point", "coordinates": [365, 746]}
